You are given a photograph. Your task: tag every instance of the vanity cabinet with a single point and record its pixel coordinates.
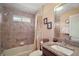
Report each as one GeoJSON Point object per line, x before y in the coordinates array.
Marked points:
{"type": "Point", "coordinates": [46, 52]}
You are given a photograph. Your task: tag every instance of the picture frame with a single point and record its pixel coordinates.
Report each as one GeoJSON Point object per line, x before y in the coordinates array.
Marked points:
{"type": "Point", "coordinates": [45, 20]}
{"type": "Point", "coordinates": [49, 25]}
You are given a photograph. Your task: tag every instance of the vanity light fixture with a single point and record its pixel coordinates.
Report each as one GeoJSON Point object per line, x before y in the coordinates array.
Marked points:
{"type": "Point", "coordinates": [59, 9]}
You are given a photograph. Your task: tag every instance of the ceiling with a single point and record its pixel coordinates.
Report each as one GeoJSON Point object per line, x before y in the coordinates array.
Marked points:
{"type": "Point", "coordinates": [32, 8]}
{"type": "Point", "coordinates": [26, 7]}
{"type": "Point", "coordinates": [68, 7]}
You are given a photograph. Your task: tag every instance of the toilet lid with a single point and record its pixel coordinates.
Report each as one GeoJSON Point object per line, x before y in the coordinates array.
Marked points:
{"type": "Point", "coordinates": [36, 53]}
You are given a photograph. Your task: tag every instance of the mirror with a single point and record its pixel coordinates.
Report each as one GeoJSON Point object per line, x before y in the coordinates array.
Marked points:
{"type": "Point", "coordinates": [67, 18]}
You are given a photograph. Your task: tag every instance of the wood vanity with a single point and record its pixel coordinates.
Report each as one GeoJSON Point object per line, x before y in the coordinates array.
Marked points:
{"type": "Point", "coordinates": [48, 51]}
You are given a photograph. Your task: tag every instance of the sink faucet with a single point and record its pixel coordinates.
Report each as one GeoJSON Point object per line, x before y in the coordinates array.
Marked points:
{"type": "Point", "coordinates": [63, 43]}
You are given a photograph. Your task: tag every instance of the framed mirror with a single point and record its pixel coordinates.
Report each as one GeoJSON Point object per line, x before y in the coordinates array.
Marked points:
{"type": "Point", "coordinates": [67, 15]}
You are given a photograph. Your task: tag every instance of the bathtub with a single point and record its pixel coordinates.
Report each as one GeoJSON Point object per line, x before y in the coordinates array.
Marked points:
{"type": "Point", "coordinates": [19, 51]}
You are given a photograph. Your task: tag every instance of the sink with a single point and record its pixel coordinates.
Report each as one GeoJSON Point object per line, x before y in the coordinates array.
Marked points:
{"type": "Point", "coordinates": [63, 50]}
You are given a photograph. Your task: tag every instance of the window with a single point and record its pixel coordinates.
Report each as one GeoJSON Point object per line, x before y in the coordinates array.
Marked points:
{"type": "Point", "coordinates": [16, 18]}
{"type": "Point", "coordinates": [26, 20]}
{"type": "Point", "coordinates": [21, 19]}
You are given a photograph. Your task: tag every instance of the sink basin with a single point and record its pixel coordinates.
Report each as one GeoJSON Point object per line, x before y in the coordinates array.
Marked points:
{"type": "Point", "coordinates": [61, 49]}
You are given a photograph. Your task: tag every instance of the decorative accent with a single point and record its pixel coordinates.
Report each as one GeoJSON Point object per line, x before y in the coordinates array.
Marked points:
{"type": "Point", "coordinates": [45, 20]}
{"type": "Point", "coordinates": [49, 25]}
{"type": "Point", "coordinates": [67, 21]}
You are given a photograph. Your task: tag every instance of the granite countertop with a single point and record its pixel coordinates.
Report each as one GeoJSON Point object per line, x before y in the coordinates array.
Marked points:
{"type": "Point", "coordinates": [75, 49]}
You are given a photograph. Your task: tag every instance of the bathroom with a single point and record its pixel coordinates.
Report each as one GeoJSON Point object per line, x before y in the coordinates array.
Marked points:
{"type": "Point", "coordinates": [39, 29]}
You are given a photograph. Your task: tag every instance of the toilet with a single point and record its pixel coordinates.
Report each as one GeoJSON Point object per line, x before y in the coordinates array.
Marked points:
{"type": "Point", "coordinates": [36, 53]}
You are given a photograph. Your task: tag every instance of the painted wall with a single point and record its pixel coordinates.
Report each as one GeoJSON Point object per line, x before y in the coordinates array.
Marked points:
{"type": "Point", "coordinates": [42, 31]}
{"type": "Point", "coordinates": [15, 33]}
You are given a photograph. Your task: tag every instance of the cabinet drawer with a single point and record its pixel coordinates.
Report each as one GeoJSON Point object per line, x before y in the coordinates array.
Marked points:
{"type": "Point", "coordinates": [46, 52]}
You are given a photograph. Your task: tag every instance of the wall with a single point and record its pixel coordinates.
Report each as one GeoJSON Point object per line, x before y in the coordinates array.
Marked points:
{"type": "Point", "coordinates": [15, 33]}
{"type": "Point", "coordinates": [1, 10]}
{"type": "Point", "coordinates": [42, 31]}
